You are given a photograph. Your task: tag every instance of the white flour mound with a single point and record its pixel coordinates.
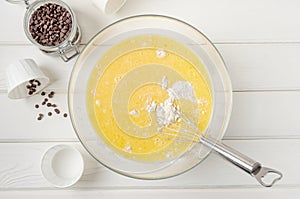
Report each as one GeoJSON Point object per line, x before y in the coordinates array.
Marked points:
{"type": "Point", "coordinates": [183, 90]}
{"type": "Point", "coordinates": [168, 112]}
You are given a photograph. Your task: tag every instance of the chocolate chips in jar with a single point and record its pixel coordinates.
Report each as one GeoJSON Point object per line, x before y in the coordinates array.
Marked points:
{"type": "Point", "coordinates": [50, 24]}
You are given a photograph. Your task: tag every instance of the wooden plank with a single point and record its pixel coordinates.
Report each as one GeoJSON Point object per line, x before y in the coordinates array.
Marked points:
{"type": "Point", "coordinates": [20, 168]}
{"type": "Point", "coordinates": [226, 21]}
{"type": "Point", "coordinates": [19, 119]}
{"type": "Point", "coordinates": [255, 115]}
{"type": "Point", "coordinates": [262, 66]}
{"type": "Point", "coordinates": [259, 41]}
{"type": "Point", "coordinates": [251, 66]}
{"type": "Point", "coordinates": [265, 114]}
{"type": "Point", "coordinates": [273, 193]}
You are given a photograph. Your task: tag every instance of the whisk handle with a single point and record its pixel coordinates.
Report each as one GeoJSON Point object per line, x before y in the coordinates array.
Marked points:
{"type": "Point", "coordinates": [249, 165]}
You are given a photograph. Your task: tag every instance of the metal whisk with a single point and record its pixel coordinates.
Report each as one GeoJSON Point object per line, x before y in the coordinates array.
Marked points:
{"type": "Point", "coordinates": [189, 132]}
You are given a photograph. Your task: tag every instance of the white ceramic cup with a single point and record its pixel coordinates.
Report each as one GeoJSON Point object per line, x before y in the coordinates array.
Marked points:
{"type": "Point", "coordinates": [62, 165]}
{"type": "Point", "coordinates": [18, 76]}
{"type": "Point", "coordinates": [109, 6]}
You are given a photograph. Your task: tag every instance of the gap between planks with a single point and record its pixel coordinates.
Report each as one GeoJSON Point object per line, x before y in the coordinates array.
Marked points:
{"type": "Point", "coordinates": [65, 91]}
{"type": "Point", "coordinates": [23, 43]}
{"type": "Point", "coordinates": [225, 138]}
{"type": "Point", "coordinates": [153, 188]}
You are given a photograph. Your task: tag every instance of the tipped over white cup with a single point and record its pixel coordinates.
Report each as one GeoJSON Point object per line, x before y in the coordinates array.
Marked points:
{"type": "Point", "coordinates": [19, 74]}
{"type": "Point", "coordinates": [109, 6]}
{"type": "Point", "coordinates": [62, 165]}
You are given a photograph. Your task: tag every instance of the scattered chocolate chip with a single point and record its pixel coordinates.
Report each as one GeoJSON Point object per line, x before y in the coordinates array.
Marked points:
{"type": "Point", "coordinates": [48, 103]}
{"type": "Point", "coordinates": [57, 111]}
{"type": "Point", "coordinates": [41, 116]}
{"type": "Point", "coordinates": [51, 94]}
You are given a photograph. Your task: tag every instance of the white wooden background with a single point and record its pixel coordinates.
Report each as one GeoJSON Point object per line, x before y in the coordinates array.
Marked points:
{"type": "Point", "coordinates": [260, 42]}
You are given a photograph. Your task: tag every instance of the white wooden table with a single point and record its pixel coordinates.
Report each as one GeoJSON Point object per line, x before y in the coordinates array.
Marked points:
{"type": "Point", "coordinates": [260, 42]}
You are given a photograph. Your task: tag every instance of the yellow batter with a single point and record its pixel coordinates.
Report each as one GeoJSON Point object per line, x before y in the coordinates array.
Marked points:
{"type": "Point", "coordinates": [125, 82]}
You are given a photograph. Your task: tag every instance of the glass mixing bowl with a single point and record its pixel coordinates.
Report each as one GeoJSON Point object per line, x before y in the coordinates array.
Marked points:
{"type": "Point", "coordinates": [117, 32]}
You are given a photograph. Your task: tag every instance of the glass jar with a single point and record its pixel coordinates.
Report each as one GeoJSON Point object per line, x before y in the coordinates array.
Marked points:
{"type": "Point", "coordinates": [68, 48]}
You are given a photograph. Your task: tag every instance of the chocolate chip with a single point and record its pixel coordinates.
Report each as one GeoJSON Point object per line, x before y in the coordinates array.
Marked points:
{"type": "Point", "coordinates": [49, 104]}
{"type": "Point", "coordinates": [51, 94]}
{"type": "Point", "coordinates": [57, 111]}
{"type": "Point", "coordinates": [40, 117]}
{"type": "Point", "coordinates": [65, 115]}
{"type": "Point", "coordinates": [43, 103]}
{"type": "Point", "coordinates": [38, 82]}
{"type": "Point", "coordinates": [50, 113]}
{"type": "Point", "coordinates": [54, 105]}
{"type": "Point", "coordinates": [46, 99]}
{"type": "Point", "coordinates": [36, 106]}
{"type": "Point", "coordinates": [43, 93]}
